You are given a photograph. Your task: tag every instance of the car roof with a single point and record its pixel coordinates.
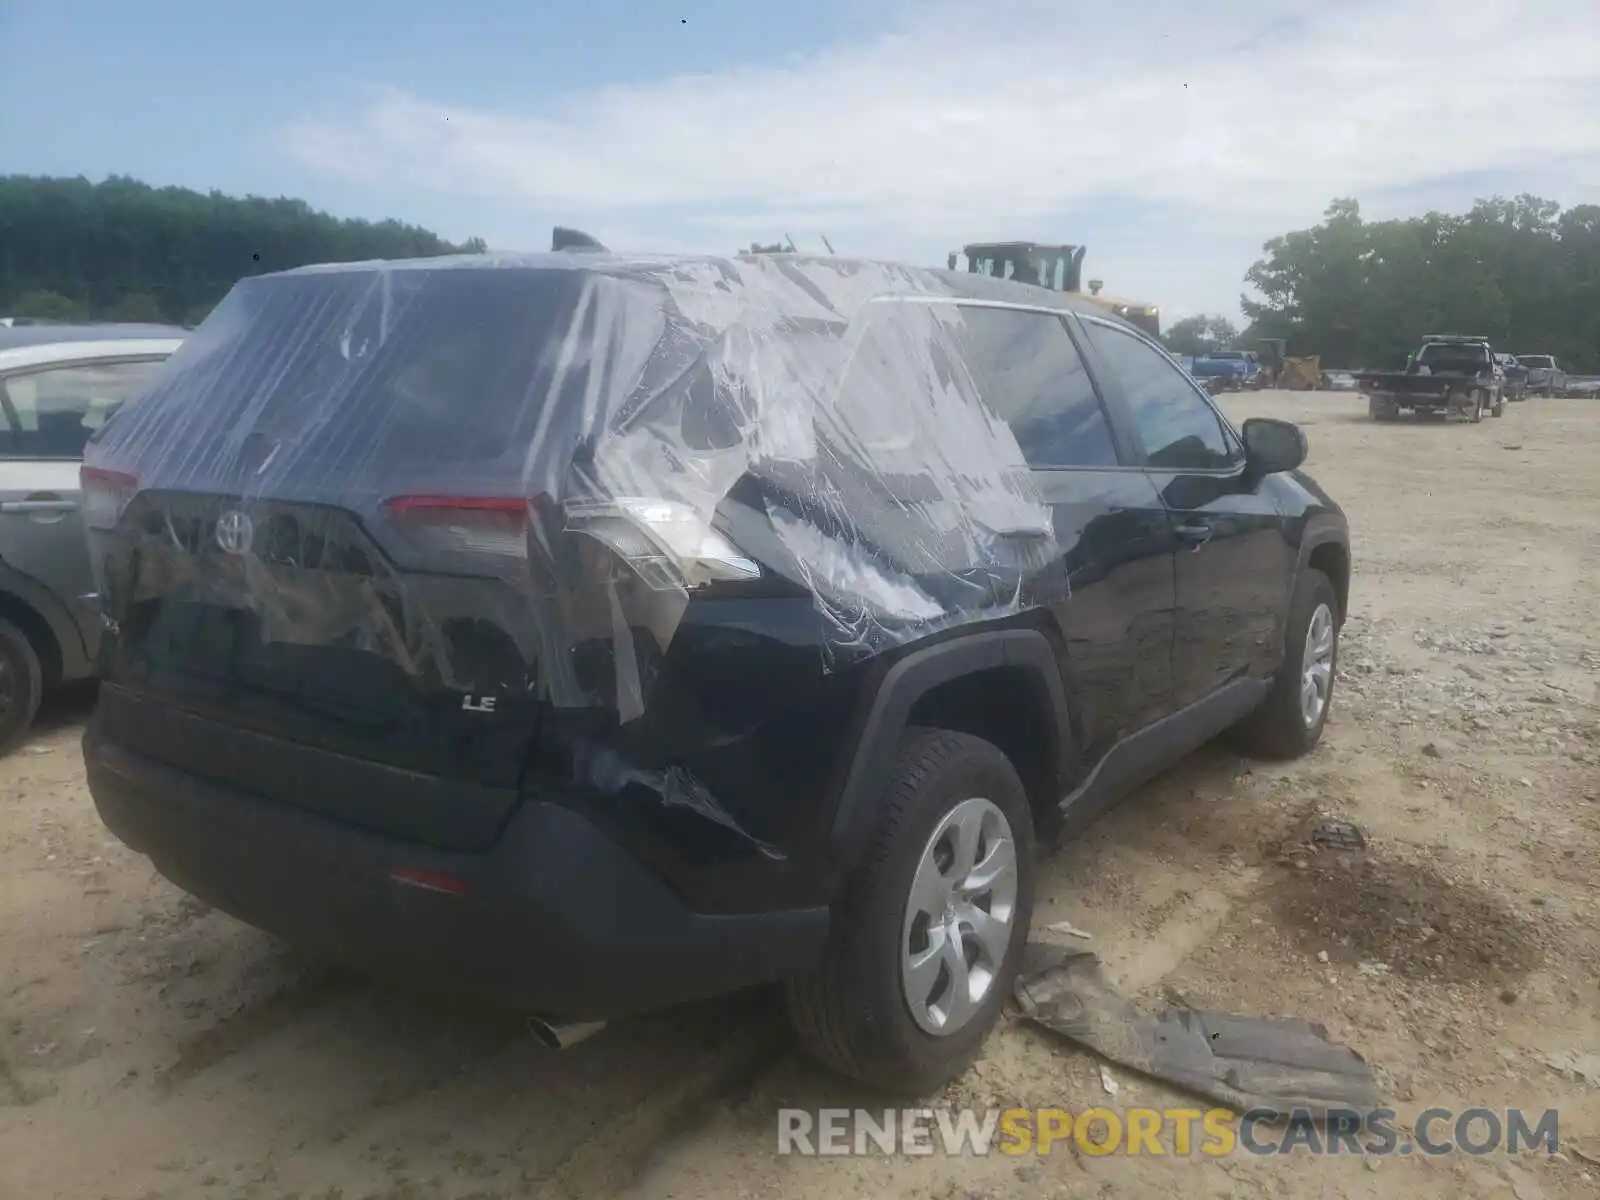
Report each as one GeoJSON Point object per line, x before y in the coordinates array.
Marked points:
{"type": "Point", "coordinates": [38, 335]}
{"type": "Point", "coordinates": [37, 354]}
{"type": "Point", "coordinates": [710, 274]}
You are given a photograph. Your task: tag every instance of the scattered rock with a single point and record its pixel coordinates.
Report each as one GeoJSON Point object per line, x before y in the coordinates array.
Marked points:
{"type": "Point", "coordinates": [1573, 1065]}
{"type": "Point", "coordinates": [1523, 1185]}
{"type": "Point", "coordinates": [1322, 956]}
{"type": "Point", "coordinates": [1432, 750]}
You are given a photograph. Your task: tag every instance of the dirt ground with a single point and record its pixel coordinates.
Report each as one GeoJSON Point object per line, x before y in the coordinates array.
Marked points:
{"type": "Point", "coordinates": [151, 1048]}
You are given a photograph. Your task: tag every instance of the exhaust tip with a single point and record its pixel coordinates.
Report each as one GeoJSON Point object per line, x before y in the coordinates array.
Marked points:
{"type": "Point", "coordinates": [555, 1035]}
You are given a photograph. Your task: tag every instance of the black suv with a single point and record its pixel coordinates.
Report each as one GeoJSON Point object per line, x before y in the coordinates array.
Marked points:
{"type": "Point", "coordinates": [600, 633]}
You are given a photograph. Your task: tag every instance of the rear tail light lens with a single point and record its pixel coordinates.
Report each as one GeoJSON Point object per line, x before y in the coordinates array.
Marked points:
{"type": "Point", "coordinates": [492, 525]}
{"type": "Point", "coordinates": [428, 880]}
{"type": "Point", "coordinates": [668, 545]}
{"type": "Point", "coordinates": [105, 495]}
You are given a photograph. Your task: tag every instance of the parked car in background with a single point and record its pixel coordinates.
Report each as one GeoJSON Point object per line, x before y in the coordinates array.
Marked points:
{"type": "Point", "coordinates": [1515, 376]}
{"type": "Point", "coordinates": [1233, 369]}
{"type": "Point", "coordinates": [1545, 376]}
{"type": "Point", "coordinates": [58, 384]}
{"type": "Point", "coordinates": [601, 633]}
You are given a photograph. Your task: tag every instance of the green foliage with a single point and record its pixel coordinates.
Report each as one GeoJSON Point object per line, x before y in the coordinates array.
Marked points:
{"type": "Point", "coordinates": [1201, 335]}
{"type": "Point", "coordinates": [47, 306]}
{"type": "Point", "coordinates": [136, 307]}
{"type": "Point", "coordinates": [122, 250]}
{"type": "Point", "coordinates": [1360, 293]}
{"type": "Point", "coordinates": [775, 248]}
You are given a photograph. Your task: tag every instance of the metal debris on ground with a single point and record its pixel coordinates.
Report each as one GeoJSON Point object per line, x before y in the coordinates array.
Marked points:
{"type": "Point", "coordinates": [1338, 835]}
{"type": "Point", "coordinates": [1068, 928]}
{"type": "Point", "coordinates": [1240, 1062]}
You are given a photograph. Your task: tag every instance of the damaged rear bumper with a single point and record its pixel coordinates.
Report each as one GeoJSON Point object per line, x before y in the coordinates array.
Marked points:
{"type": "Point", "coordinates": [554, 918]}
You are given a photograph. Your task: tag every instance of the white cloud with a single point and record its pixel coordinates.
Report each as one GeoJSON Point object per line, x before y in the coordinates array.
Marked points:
{"type": "Point", "coordinates": [983, 120]}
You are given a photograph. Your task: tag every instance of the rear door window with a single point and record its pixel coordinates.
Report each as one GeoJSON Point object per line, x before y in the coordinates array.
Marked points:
{"type": "Point", "coordinates": [52, 413]}
{"type": "Point", "coordinates": [1028, 372]}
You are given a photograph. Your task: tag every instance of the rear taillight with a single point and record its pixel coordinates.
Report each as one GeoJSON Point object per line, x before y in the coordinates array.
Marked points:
{"type": "Point", "coordinates": [492, 525]}
{"type": "Point", "coordinates": [431, 881]}
{"type": "Point", "coordinates": [105, 495]}
{"type": "Point", "coordinates": [668, 545]}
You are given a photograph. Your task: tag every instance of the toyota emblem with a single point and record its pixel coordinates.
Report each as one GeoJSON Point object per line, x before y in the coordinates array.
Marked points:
{"type": "Point", "coordinates": [235, 532]}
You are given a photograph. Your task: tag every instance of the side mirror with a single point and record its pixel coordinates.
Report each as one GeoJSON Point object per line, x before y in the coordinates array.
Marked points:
{"type": "Point", "coordinates": [1272, 446]}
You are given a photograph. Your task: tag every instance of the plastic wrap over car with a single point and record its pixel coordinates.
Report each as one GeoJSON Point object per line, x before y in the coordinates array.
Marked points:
{"type": "Point", "coordinates": [537, 463]}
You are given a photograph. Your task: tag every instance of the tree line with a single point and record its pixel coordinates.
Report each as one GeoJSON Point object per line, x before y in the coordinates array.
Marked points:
{"type": "Point", "coordinates": [1521, 272]}
{"type": "Point", "coordinates": [121, 250]}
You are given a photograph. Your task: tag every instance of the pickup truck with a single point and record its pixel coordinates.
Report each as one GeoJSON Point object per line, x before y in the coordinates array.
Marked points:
{"type": "Point", "coordinates": [1516, 376]}
{"type": "Point", "coordinates": [1233, 369]}
{"type": "Point", "coordinates": [1545, 376]}
{"type": "Point", "coordinates": [1451, 373]}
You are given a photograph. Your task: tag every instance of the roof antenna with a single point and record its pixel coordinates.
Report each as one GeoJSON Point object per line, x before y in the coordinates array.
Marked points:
{"type": "Point", "coordinates": [576, 240]}
{"type": "Point", "coordinates": [790, 240]}
{"type": "Point", "coordinates": [827, 243]}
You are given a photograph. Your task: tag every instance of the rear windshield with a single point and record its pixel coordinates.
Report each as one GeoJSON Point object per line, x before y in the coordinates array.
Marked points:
{"type": "Point", "coordinates": [1454, 352]}
{"type": "Point", "coordinates": [1536, 360]}
{"type": "Point", "coordinates": [397, 368]}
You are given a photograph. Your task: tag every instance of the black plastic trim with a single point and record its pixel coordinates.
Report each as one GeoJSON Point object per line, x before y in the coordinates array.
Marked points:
{"type": "Point", "coordinates": [555, 919]}
{"type": "Point", "coordinates": [1143, 755]}
{"type": "Point", "coordinates": [880, 723]}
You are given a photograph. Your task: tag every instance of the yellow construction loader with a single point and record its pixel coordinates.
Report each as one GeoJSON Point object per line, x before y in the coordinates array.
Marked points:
{"type": "Point", "coordinates": [1057, 267]}
{"type": "Point", "coordinates": [1278, 370]}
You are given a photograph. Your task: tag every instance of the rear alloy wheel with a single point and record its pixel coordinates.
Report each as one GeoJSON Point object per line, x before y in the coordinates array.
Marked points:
{"type": "Point", "coordinates": [958, 917]}
{"type": "Point", "coordinates": [21, 685]}
{"type": "Point", "coordinates": [924, 947]}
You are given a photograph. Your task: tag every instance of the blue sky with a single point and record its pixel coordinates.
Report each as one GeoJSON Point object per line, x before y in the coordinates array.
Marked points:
{"type": "Point", "coordinates": [1171, 141]}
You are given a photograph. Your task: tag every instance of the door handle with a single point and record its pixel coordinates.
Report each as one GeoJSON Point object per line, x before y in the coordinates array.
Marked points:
{"type": "Point", "coordinates": [1194, 533]}
{"type": "Point", "coordinates": [38, 506]}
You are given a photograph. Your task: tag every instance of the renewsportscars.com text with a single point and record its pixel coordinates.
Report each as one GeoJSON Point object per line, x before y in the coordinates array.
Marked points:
{"type": "Point", "coordinates": [1178, 1132]}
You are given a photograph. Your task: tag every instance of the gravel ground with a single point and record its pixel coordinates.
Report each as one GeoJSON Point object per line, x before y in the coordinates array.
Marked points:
{"type": "Point", "coordinates": [152, 1048]}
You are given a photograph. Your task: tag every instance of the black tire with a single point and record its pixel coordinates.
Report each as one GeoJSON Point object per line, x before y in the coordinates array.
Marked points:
{"type": "Point", "coordinates": [21, 685]}
{"type": "Point", "coordinates": [1277, 729]}
{"type": "Point", "coordinates": [851, 1011]}
{"type": "Point", "coordinates": [1498, 408]}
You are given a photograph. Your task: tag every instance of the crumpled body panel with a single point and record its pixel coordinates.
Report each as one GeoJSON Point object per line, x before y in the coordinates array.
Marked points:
{"type": "Point", "coordinates": [509, 475]}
